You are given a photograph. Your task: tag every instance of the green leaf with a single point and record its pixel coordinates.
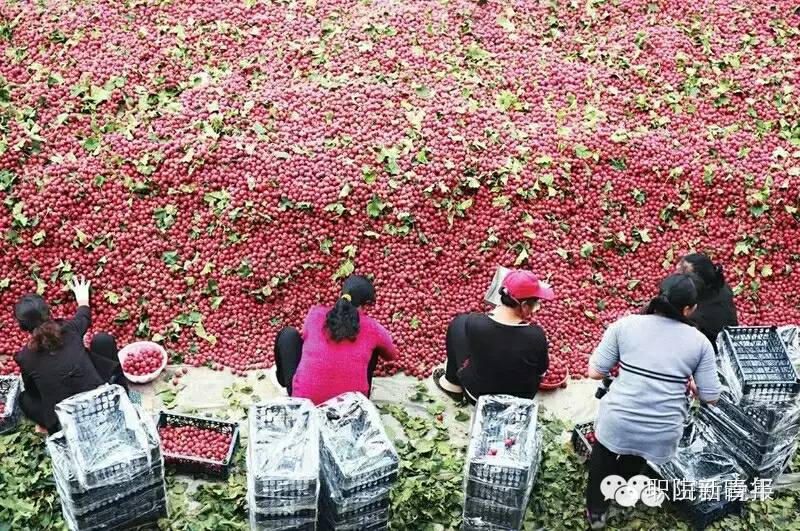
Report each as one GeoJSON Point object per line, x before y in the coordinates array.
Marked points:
{"type": "Point", "coordinates": [38, 238]}
{"type": "Point", "coordinates": [200, 332]}
{"type": "Point", "coordinates": [586, 250]}
{"type": "Point", "coordinates": [345, 269]}
{"type": "Point", "coordinates": [91, 144]}
{"type": "Point", "coordinates": [582, 152]}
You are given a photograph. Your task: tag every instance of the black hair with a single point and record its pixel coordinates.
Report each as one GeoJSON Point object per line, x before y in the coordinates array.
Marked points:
{"type": "Point", "coordinates": [508, 300]}
{"type": "Point", "coordinates": [712, 274]}
{"type": "Point", "coordinates": [33, 315]}
{"type": "Point", "coordinates": [676, 292]}
{"type": "Point", "coordinates": [342, 320]}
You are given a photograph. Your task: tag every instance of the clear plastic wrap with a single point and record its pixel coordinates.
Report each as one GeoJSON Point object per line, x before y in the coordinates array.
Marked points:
{"type": "Point", "coordinates": [359, 465]}
{"type": "Point", "coordinates": [105, 436]}
{"type": "Point", "coordinates": [756, 460]}
{"type": "Point", "coordinates": [790, 335]}
{"type": "Point", "coordinates": [359, 461]}
{"type": "Point", "coordinates": [10, 388]}
{"type": "Point", "coordinates": [283, 464]}
{"type": "Point", "coordinates": [139, 498]}
{"type": "Point", "coordinates": [701, 457]}
{"type": "Point", "coordinates": [502, 462]}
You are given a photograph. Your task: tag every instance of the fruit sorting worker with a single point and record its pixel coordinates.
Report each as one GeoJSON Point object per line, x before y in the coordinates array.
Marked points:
{"type": "Point", "coordinates": [715, 306]}
{"type": "Point", "coordinates": [642, 415]}
{"type": "Point", "coordinates": [55, 363]}
{"type": "Point", "coordinates": [338, 348]}
{"type": "Point", "coordinates": [500, 352]}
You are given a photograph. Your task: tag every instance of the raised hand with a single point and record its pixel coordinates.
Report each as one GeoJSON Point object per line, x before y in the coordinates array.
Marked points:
{"type": "Point", "coordinates": [80, 287]}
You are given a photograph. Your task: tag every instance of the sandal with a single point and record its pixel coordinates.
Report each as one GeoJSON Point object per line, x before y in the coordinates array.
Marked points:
{"type": "Point", "coordinates": [437, 375]}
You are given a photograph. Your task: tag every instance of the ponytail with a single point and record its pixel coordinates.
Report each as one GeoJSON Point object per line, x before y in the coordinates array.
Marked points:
{"type": "Point", "coordinates": [343, 321]}
{"type": "Point", "coordinates": [676, 293]}
{"type": "Point", "coordinates": [46, 337]}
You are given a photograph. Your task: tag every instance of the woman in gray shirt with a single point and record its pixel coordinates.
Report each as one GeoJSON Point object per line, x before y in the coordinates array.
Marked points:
{"type": "Point", "coordinates": [641, 418]}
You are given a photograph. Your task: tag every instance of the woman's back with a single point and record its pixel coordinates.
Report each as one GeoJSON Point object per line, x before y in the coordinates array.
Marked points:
{"type": "Point", "coordinates": [657, 356]}
{"type": "Point", "coordinates": [64, 372]}
{"type": "Point", "coordinates": [329, 368]}
{"type": "Point", "coordinates": [505, 358]}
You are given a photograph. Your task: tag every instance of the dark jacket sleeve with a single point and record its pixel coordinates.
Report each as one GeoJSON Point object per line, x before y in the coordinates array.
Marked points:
{"type": "Point", "coordinates": [545, 354]}
{"type": "Point", "coordinates": [81, 321]}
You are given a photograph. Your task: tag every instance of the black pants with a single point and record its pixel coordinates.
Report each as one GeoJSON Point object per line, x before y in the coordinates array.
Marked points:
{"type": "Point", "coordinates": [103, 353]}
{"type": "Point", "coordinates": [604, 463]}
{"type": "Point", "coordinates": [458, 350]}
{"type": "Point", "coordinates": [289, 350]}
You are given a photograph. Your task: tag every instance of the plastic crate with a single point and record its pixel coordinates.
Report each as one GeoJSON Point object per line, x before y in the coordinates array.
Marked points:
{"type": "Point", "coordinates": [338, 514]}
{"type": "Point", "coordinates": [483, 515]}
{"type": "Point", "coordinates": [760, 363]}
{"type": "Point", "coordinates": [580, 443]}
{"type": "Point", "coordinates": [739, 445]}
{"type": "Point", "coordinates": [143, 507]}
{"type": "Point", "coordinates": [105, 434]}
{"type": "Point", "coordinates": [199, 465]}
{"type": "Point", "coordinates": [9, 398]}
{"type": "Point", "coordinates": [762, 424]}
{"type": "Point", "coordinates": [497, 419]}
{"type": "Point", "coordinates": [359, 461]}
{"type": "Point", "coordinates": [283, 451]}
{"type": "Point", "coordinates": [703, 515]}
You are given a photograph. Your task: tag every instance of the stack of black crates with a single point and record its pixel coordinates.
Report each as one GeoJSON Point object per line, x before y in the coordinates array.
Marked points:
{"type": "Point", "coordinates": [757, 418]}
{"type": "Point", "coordinates": [752, 431]}
{"type": "Point", "coordinates": [9, 403]}
{"type": "Point", "coordinates": [107, 462]}
{"type": "Point", "coordinates": [359, 466]}
{"type": "Point", "coordinates": [283, 465]}
{"type": "Point", "coordinates": [502, 462]}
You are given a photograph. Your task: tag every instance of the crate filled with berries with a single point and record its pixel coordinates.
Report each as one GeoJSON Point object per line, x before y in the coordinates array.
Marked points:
{"type": "Point", "coordinates": [198, 445]}
{"type": "Point", "coordinates": [583, 439]}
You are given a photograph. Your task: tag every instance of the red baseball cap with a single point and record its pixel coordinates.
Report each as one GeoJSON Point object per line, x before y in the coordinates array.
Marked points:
{"type": "Point", "coordinates": [524, 285]}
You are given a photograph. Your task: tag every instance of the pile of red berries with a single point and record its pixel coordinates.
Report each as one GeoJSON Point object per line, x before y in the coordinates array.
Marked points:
{"type": "Point", "coordinates": [195, 442]}
{"type": "Point", "coordinates": [143, 362]}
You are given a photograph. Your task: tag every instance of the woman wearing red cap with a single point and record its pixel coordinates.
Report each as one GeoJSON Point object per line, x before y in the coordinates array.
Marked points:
{"type": "Point", "coordinates": [501, 352]}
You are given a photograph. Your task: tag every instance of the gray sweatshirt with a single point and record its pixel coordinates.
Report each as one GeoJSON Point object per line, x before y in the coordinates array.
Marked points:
{"type": "Point", "coordinates": [645, 408]}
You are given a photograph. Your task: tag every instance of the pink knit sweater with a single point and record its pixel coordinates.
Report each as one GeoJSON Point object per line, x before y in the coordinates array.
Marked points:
{"type": "Point", "coordinates": [328, 368]}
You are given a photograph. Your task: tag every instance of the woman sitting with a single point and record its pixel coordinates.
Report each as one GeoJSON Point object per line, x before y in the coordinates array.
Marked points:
{"type": "Point", "coordinates": [715, 306]}
{"type": "Point", "coordinates": [498, 352]}
{"type": "Point", "coordinates": [55, 364]}
{"type": "Point", "coordinates": [338, 349]}
{"type": "Point", "coordinates": [642, 415]}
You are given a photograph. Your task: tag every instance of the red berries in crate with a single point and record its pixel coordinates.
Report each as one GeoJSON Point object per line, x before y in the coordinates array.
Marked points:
{"type": "Point", "coordinates": [591, 437]}
{"type": "Point", "coordinates": [2, 407]}
{"type": "Point", "coordinates": [142, 362]}
{"type": "Point", "coordinates": [195, 442]}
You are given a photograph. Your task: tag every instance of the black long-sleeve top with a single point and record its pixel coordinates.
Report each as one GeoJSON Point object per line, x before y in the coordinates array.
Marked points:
{"type": "Point", "coordinates": [54, 376]}
{"type": "Point", "coordinates": [504, 358]}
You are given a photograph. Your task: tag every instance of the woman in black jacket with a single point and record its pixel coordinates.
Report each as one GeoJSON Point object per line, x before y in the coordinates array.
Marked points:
{"type": "Point", "coordinates": [715, 307]}
{"type": "Point", "coordinates": [55, 363]}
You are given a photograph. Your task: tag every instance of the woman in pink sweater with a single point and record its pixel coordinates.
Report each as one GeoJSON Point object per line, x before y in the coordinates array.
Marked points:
{"type": "Point", "coordinates": [338, 348]}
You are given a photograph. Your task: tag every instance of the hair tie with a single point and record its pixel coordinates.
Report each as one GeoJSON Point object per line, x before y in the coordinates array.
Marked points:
{"type": "Point", "coordinates": [347, 297]}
